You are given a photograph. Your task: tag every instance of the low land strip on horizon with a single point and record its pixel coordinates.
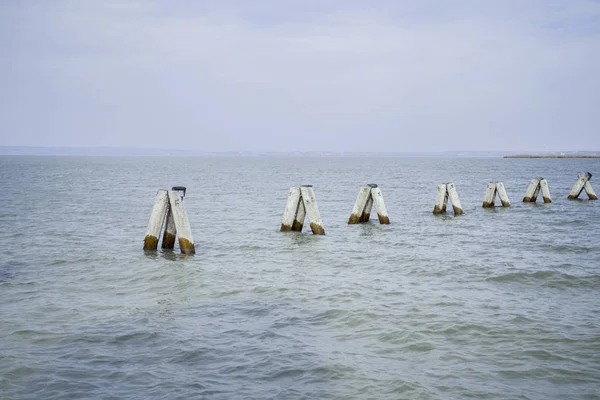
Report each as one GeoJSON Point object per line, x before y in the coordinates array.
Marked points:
{"type": "Point", "coordinates": [133, 151]}
{"type": "Point", "coordinates": [553, 156]}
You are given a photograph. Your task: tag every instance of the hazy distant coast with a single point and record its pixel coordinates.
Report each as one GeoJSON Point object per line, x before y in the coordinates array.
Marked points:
{"type": "Point", "coordinates": [153, 152]}
{"type": "Point", "coordinates": [132, 151]}
{"type": "Point", "coordinates": [553, 156]}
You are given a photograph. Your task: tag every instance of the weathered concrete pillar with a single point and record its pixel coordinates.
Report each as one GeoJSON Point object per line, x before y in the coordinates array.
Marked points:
{"type": "Point", "coordinates": [502, 194]}
{"type": "Point", "coordinates": [366, 214]}
{"type": "Point", "coordinates": [441, 199]}
{"type": "Point", "coordinates": [532, 191]}
{"type": "Point", "coordinates": [453, 196]}
{"type": "Point", "coordinates": [291, 209]}
{"type": "Point", "coordinates": [312, 210]}
{"type": "Point", "coordinates": [359, 206]}
{"type": "Point", "coordinates": [367, 196]}
{"type": "Point", "coordinates": [447, 191]}
{"type": "Point", "coordinates": [492, 189]}
{"type": "Point", "coordinates": [298, 223]}
{"type": "Point", "coordinates": [182, 223]}
{"type": "Point", "coordinates": [377, 197]}
{"type": "Point", "coordinates": [583, 183]}
{"type": "Point", "coordinates": [590, 191]}
{"type": "Point", "coordinates": [489, 199]}
{"type": "Point", "coordinates": [170, 233]}
{"type": "Point", "coordinates": [545, 191]}
{"type": "Point", "coordinates": [156, 220]}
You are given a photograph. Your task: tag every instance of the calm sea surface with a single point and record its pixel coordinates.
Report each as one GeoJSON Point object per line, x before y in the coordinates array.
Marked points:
{"type": "Point", "coordinates": [494, 304]}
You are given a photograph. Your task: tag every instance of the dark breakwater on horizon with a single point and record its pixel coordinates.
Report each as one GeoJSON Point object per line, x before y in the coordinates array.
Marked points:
{"type": "Point", "coordinates": [497, 303]}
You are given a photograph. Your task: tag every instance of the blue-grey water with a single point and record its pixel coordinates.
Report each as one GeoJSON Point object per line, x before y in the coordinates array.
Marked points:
{"type": "Point", "coordinates": [494, 304]}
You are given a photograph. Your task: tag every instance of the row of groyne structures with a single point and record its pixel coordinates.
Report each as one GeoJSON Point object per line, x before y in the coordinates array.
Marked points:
{"type": "Point", "coordinates": [169, 219]}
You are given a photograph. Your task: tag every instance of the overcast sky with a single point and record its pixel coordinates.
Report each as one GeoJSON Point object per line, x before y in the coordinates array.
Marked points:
{"type": "Point", "coordinates": [305, 75]}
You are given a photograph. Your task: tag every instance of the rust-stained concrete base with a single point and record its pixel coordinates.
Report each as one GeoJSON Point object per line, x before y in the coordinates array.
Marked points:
{"type": "Point", "coordinates": [439, 210]}
{"type": "Point", "coordinates": [457, 210]}
{"type": "Point", "coordinates": [186, 246]}
{"type": "Point", "coordinates": [317, 229]}
{"type": "Point", "coordinates": [285, 228]}
{"type": "Point", "coordinates": [383, 219]}
{"type": "Point", "coordinates": [365, 217]}
{"type": "Point", "coordinates": [150, 243]}
{"type": "Point", "coordinates": [168, 242]}
{"type": "Point", "coordinates": [297, 226]}
{"type": "Point", "coordinates": [354, 219]}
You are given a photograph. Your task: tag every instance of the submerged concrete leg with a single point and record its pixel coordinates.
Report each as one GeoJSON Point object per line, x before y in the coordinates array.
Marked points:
{"type": "Point", "coordinates": [377, 197]}
{"type": "Point", "coordinates": [290, 211]}
{"type": "Point", "coordinates": [502, 194]}
{"type": "Point", "coordinates": [170, 233]}
{"type": "Point", "coordinates": [156, 220]}
{"type": "Point", "coordinates": [312, 210]}
{"type": "Point", "coordinates": [182, 223]}
{"type": "Point", "coordinates": [298, 223]}
{"type": "Point", "coordinates": [532, 191]}
{"type": "Point", "coordinates": [359, 205]}
{"type": "Point", "coordinates": [441, 199]}
{"type": "Point", "coordinates": [489, 199]}
{"type": "Point", "coordinates": [366, 214]}
{"type": "Point", "coordinates": [545, 191]}
{"type": "Point", "coordinates": [453, 196]}
{"type": "Point", "coordinates": [590, 191]}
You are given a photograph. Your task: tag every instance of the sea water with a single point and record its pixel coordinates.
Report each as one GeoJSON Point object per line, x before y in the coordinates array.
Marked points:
{"type": "Point", "coordinates": [497, 303]}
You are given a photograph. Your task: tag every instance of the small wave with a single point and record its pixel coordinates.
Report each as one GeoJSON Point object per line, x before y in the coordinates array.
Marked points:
{"type": "Point", "coordinates": [550, 279]}
{"type": "Point", "coordinates": [135, 337]}
{"type": "Point", "coordinates": [564, 248]}
{"type": "Point", "coordinates": [419, 347]}
{"type": "Point", "coordinates": [7, 270]}
{"type": "Point", "coordinates": [544, 355]}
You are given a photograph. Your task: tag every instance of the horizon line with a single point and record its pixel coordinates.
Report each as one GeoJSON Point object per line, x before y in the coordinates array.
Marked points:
{"type": "Point", "coordinates": [27, 150]}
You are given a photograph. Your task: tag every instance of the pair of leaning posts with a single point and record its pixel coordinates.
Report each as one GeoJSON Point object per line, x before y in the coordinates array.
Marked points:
{"type": "Point", "coordinates": [301, 202]}
{"type": "Point", "coordinates": [169, 212]}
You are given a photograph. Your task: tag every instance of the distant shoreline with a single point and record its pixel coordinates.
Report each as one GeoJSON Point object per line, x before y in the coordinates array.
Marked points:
{"type": "Point", "coordinates": [158, 152]}
{"type": "Point", "coordinates": [554, 156]}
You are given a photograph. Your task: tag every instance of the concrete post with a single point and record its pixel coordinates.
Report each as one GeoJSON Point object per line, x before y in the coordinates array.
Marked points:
{"type": "Point", "coordinates": [312, 210]}
{"type": "Point", "coordinates": [502, 194]}
{"type": "Point", "coordinates": [156, 220]}
{"type": "Point", "coordinates": [453, 196]}
{"type": "Point", "coordinates": [377, 197]}
{"type": "Point", "coordinates": [182, 223]}
{"type": "Point", "coordinates": [489, 199]}
{"type": "Point", "coordinates": [441, 199]}
{"type": "Point", "coordinates": [359, 206]}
